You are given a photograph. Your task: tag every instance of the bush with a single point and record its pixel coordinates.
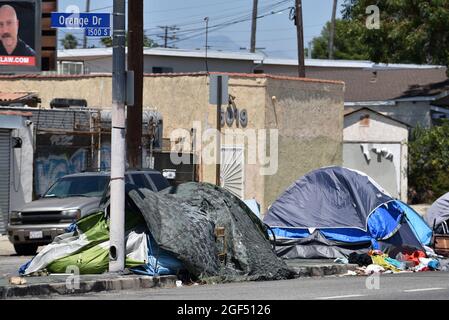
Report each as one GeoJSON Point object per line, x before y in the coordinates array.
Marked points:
{"type": "Point", "coordinates": [429, 163]}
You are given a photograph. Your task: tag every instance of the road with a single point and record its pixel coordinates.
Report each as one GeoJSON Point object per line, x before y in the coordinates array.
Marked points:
{"type": "Point", "coordinates": [407, 286]}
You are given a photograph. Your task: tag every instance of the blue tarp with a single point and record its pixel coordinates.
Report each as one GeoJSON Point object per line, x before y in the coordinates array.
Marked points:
{"type": "Point", "coordinates": [160, 262]}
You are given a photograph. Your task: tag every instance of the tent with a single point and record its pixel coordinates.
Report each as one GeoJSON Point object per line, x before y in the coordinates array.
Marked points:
{"type": "Point", "coordinates": [438, 214]}
{"type": "Point", "coordinates": [174, 231]}
{"type": "Point", "coordinates": [332, 212]}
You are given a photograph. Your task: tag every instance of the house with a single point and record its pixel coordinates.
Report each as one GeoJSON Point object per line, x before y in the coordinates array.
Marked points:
{"type": "Point", "coordinates": [414, 94]}
{"type": "Point", "coordinates": [377, 145]}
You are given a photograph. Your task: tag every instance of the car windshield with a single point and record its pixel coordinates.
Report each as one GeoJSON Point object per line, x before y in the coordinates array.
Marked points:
{"type": "Point", "coordinates": [81, 186]}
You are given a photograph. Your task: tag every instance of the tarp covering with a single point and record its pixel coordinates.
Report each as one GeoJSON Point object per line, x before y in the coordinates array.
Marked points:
{"type": "Point", "coordinates": [172, 232]}
{"type": "Point", "coordinates": [183, 219]}
{"type": "Point", "coordinates": [438, 211]}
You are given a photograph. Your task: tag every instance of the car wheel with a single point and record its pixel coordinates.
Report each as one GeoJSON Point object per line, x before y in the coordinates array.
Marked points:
{"type": "Point", "coordinates": [26, 249]}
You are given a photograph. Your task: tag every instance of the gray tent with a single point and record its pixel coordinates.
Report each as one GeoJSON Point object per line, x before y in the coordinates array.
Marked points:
{"type": "Point", "coordinates": [438, 213]}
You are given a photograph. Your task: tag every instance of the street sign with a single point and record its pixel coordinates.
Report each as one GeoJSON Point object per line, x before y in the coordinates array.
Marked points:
{"type": "Point", "coordinates": [213, 88]}
{"type": "Point", "coordinates": [98, 32]}
{"type": "Point", "coordinates": [80, 20]}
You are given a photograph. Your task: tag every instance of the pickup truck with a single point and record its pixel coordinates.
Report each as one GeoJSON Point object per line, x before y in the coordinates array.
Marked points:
{"type": "Point", "coordinates": [71, 197]}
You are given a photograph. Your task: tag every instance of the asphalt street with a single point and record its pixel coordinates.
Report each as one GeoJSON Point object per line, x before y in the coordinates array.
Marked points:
{"type": "Point", "coordinates": [407, 286]}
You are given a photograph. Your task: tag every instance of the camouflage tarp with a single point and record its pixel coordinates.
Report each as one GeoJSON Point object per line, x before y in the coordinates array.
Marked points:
{"type": "Point", "coordinates": [183, 219]}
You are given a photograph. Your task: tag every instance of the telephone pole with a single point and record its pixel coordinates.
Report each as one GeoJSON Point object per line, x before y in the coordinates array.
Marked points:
{"type": "Point", "coordinates": [300, 36]}
{"type": "Point", "coordinates": [167, 37]}
{"type": "Point", "coordinates": [254, 27]}
{"type": "Point", "coordinates": [117, 211]}
{"type": "Point", "coordinates": [85, 37]}
{"type": "Point", "coordinates": [332, 31]}
{"type": "Point", "coordinates": [135, 63]}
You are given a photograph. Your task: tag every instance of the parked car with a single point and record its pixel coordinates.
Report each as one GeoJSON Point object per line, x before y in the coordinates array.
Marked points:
{"type": "Point", "coordinates": [68, 199]}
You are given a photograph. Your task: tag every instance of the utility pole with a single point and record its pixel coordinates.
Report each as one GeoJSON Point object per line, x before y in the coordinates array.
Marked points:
{"type": "Point", "coordinates": [117, 211]}
{"type": "Point", "coordinates": [135, 63]}
{"type": "Point", "coordinates": [254, 27]}
{"type": "Point", "coordinates": [85, 37]}
{"type": "Point", "coordinates": [300, 36]}
{"type": "Point", "coordinates": [332, 31]}
{"type": "Point", "coordinates": [166, 37]}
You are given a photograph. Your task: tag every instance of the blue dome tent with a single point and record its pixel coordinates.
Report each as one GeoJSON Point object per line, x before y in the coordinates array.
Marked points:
{"type": "Point", "coordinates": [334, 211]}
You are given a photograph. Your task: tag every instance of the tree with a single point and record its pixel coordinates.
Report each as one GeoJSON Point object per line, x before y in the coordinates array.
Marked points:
{"type": "Point", "coordinates": [346, 42]}
{"type": "Point", "coordinates": [429, 163]}
{"type": "Point", "coordinates": [411, 31]}
{"type": "Point", "coordinates": [147, 42]}
{"type": "Point", "coordinates": [69, 41]}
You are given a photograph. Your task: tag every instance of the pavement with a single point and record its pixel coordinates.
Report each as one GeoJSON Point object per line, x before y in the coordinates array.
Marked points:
{"type": "Point", "coordinates": [69, 284]}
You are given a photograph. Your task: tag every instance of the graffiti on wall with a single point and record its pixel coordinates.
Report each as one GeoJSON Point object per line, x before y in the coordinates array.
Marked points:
{"type": "Point", "coordinates": [50, 168]}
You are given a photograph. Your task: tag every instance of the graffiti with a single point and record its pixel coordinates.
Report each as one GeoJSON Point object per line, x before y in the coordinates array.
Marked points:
{"type": "Point", "coordinates": [59, 140]}
{"type": "Point", "coordinates": [50, 168]}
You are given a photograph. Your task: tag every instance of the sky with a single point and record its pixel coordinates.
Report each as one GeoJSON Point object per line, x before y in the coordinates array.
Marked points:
{"type": "Point", "coordinates": [229, 23]}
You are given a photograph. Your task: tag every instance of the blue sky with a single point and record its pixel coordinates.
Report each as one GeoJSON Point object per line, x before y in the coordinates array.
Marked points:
{"type": "Point", "coordinates": [276, 34]}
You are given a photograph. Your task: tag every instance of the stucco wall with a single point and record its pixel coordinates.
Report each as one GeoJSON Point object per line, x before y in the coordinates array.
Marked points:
{"type": "Point", "coordinates": [96, 90]}
{"type": "Point", "coordinates": [309, 116]}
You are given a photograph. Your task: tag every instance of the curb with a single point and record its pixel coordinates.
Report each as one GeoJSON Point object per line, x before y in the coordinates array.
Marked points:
{"type": "Point", "coordinates": [322, 271]}
{"type": "Point", "coordinates": [88, 286]}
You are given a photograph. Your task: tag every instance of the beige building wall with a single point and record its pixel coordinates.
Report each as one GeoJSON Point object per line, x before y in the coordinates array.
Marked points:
{"type": "Point", "coordinates": [309, 116]}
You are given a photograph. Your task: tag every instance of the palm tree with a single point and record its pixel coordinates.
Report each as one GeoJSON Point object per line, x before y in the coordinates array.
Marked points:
{"type": "Point", "coordinates": [69, 41]}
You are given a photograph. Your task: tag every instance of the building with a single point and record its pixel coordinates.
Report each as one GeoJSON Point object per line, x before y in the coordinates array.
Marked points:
{"type": "Point", "coordinates": [274, 129]}
{"type": "Point", "coordinates": [414, 94]}
{"type": "Point", "coordinates": [377, 145]}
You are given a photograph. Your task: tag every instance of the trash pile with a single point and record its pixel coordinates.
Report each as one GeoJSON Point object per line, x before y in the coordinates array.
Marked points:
{"type": "Point", "coordinates": [375, 261]}
{"type": "Point", "coordinates": [194, 230]}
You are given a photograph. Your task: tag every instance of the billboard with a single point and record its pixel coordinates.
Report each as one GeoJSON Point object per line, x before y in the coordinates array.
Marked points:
{"type": "Point", "coordinates": [20, 36]}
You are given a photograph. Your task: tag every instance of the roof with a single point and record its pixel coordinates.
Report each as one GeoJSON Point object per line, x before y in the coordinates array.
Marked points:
{"type": "Point", "coordinates": [211, 54]}
{"type": "Point", "coordinates": [11, 97]}
{"type": "Point", "coordinates": [348, 113]}
{"type": "Point", "coordinates": [360, 64]}
{"type": "Point", "coordinates": [386, 84]}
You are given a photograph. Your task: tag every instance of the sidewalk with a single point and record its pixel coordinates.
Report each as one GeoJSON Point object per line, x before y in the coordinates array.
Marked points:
{"type": "Point", "coordinates": [63, 284]}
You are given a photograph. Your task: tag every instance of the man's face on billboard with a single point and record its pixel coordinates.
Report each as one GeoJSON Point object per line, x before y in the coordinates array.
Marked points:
{"type": "Point", "coordinates": [9, 27]}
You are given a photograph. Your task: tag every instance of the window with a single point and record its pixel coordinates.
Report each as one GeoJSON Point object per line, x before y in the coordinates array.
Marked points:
{"type": "Point", "coordinates": [141, 181]}
{"type": "Point", "coordinates": [159, 181]}
{"type": "Point", "coordinates": [85, 186]}
{"type": "Point", "coordinates": [162, 70]}
{"type": "Point", "coordinates": [71, 67]}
